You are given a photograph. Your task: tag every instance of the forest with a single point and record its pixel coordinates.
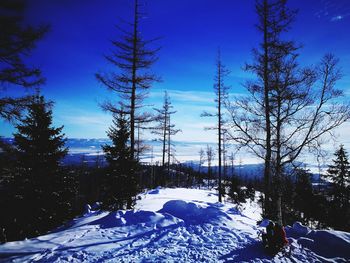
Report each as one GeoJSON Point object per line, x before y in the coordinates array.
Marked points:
{"type": "Point", "coordinates": [288, 109]}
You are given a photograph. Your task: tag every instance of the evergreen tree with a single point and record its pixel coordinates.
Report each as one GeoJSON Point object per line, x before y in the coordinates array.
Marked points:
{"type": "Point", "coordinates": [16, 43]}
{"type": "Point", "coordinates": [40, 146]}
{"type": "Point", "coordinates": [303, 194]}
{"type": "Point", "coordinates": [234, 189]}
{"type": "Point", "coordinates": [339, 175]}
{"type": "Point", "coordinates": [42, 195]}
{"type": "Point", "coordinates": [120, 183]}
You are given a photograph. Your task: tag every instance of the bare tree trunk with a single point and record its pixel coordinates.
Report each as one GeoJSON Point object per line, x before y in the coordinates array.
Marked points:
{"type": "Point", "coordinates": [169, 146]}
{"type": "Point", "coordinates": [133, 90]}
{"type": "Point", "coordinates": [219, 125]}
{"type": "Point", "coordinates": [267, 168]}
{"type": "Point", "coordinates": [279, 169]}
{"type": "Point", "coordinates": [164, 139]}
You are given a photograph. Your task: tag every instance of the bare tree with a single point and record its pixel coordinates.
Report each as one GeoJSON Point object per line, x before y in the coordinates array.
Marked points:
{"type": "Point", "coordinates": [289, 108]}
{"type": "Point", "coordinates": [221, 92]}
{"type": "Point", "coordinates": [201, 159]}
{"type": "Point", "coordinates": [302, 115]}
{"type": "Point", "coordinates": [210, 158]}
{"type": "Point", "coordinates": [171, 131]}
{"type": "Point", "coordinates": [201, 162]}
{"type": "Point", "coordinates": [165, 129]}
{"type": "Point", "coordinates": [133, 58]}
{"type": "Point", "coordinates": [232, 162]}
{"type": "Point", "coordinates": [224, 152]}
{"type": "Point", "coordinates": [251, 115]}
{"type": "Point", "coordinates": [140, 145]}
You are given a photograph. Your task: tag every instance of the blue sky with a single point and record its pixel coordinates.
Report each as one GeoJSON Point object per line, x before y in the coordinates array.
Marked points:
{"type": "Point", "coordinates": [191, 30]}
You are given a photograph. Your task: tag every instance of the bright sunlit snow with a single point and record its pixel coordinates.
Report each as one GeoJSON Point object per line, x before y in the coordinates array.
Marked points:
{"type": "Point", "coordinates": [176, 225]}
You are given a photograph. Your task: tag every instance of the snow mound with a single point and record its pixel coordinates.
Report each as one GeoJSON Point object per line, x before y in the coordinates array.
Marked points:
{"type": "Point", "coordinates": [132, 217]}
{"type": "Point", "coordinates": [326, 243]}
{"type": "Point", "coordinates": [192, 213]}
{"type": "Point", "coordinates": [154, 192]}
{"type": "Point", "coordinates": [163, 228]}
{"type": "Point", "coordinates": [297, 230]}
{"type": "Point", "coordinates": [329, 244]}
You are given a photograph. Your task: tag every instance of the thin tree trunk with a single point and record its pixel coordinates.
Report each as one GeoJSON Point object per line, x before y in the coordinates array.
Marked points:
{"type": "Point", "coordinates": [169, 145]}
{"type": "Point", "coordinates": [133, 91]}
{"type": "Point", "coordinates": [164, 145]}
{"type": "Point", "coordinates": [219, 125]}
{"type": "Point", "coordinates": [164, 139]}
{"type": "Point", "coordinates": [267, 168]}
{"type": "Point", "coordinates": [279, 171]}
{"type": "Point", "coordinates": [138, 143]}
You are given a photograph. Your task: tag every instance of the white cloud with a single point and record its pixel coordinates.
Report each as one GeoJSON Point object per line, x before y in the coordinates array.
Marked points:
{"type": "Point", "coordinates": [188, 96]}
{"type": "Point", "coordinates": [337, 18]}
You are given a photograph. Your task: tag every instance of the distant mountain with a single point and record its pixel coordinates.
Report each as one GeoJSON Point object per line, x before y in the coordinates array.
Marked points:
{"type": "Point", "coordinates": [89, 151]}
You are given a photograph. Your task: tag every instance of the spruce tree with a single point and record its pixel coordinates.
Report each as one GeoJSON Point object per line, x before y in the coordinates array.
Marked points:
{"type": "Point", "coordinates": [339, 175]}
{"type": "Point", "coordinates": [120, 181]}
{"type": "Point", "coordinates": [40, 197]}
{"type": "Point", "coordinates": [40, 146]}
{"type": "Point", "coordinates": [303, 199]}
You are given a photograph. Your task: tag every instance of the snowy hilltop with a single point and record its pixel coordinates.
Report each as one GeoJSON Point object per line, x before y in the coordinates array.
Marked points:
{"type": "Point", "coordinates": [176, 225]}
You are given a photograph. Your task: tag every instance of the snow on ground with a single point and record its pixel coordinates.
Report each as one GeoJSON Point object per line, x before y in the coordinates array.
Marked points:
{"type": "Point", "coordinates": [175, 225]}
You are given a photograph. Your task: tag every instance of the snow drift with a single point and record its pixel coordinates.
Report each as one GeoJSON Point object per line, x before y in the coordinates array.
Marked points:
{"type": "Point", "coordinates": [164, 228]}
{"type": "Point", "coordinates": [326, 243]}
{"type": "Point", "coordinates": [192, 213]}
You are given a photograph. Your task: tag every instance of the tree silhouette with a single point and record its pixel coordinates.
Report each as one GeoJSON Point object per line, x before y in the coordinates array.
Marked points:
{"type": "Point", "coordinates": [165, 129]}
{"type": "Point", "coordinates": [16, 43]}
{"type": "Point", "coordinates": [221, 92]}
{"type": "Point", "coordinates": [339, 174]}
{"type": "Point", "coordinates": [41, 190]}
{"type": "Point", "coordinates": [120, 183]}
{"type": "Point", "coordinates": [210, 158]}
{"type": "Point", "coordinates": [289, 108]}
{"type": "Point", "coordinates": [130, 82]}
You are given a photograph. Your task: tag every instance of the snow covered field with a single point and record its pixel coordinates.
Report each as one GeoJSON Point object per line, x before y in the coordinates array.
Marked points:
{"type": "Point", "coordinates": [175, 225]}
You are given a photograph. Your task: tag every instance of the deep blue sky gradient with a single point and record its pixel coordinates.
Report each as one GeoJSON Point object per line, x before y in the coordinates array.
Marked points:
{"type": "Point", "coordinates": [191, 30]}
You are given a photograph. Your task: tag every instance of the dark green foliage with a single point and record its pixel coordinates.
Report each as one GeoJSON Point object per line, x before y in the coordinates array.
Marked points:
{"type": "Point", "coordinates": [16, 43]}
{"type": "Point", "coordinates": [316, 206]}
{"type": "Point", "coordinates": [250, 192]}
{"type": "Point", "coordinates": [238, 193]}
{"type": "Point", "coordinates": [40, 147]}
{"type": "Point", "coordinates": [38, 196]}
{"type": "Point", "coordinates": [297, 197]}
{"type": "Point", "coordinates": [303, 193]}
{"type": "Point", "coordinates": [339, 176]}
{"type": "Point", "coordinates": [120, 182]}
